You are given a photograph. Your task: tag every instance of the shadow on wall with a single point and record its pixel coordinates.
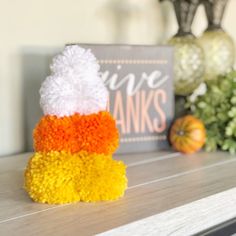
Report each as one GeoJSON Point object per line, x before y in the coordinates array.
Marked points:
{"type": "Point", "coordinates": [35, 68]}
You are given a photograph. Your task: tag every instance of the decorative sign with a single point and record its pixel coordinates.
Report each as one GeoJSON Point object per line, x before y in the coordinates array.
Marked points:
{"type": "Point", "coordinates": [140, 82]}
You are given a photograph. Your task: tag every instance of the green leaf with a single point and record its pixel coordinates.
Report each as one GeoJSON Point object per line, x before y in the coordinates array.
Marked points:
{"type": "Point", "coordinates": [216, 108]}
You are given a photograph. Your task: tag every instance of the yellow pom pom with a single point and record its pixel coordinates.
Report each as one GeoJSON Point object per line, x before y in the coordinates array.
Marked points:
{"type": "Point", "coordinates": [61, 177]}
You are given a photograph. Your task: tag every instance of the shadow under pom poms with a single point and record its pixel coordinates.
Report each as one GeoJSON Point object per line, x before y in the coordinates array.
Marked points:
{"type": "Point", "coordinates": [76, 137]}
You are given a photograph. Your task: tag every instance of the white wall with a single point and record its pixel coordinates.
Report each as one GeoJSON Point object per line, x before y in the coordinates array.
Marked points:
{"type": "Point", "coordinates": [31, 30]}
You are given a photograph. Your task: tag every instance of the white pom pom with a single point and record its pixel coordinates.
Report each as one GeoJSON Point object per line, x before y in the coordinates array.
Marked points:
{"type": "Point", "coordinates": [74, 59]}
{"type": "Point", "coordinates": [74, 86]}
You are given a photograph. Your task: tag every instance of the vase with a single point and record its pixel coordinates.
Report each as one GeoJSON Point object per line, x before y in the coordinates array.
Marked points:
{"type": "Point", "coordinates": [188, 54]}
{"type": "Point", "coordinates": [218, 46]}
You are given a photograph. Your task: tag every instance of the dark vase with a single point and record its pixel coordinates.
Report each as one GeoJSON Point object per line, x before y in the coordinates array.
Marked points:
{"type": "Point", "coordinates": [189, 56]}
{"type": "Point", "coordinates": [218, 46]}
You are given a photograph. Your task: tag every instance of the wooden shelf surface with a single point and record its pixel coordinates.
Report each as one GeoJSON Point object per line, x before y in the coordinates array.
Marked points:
{"type": "Point", "coordinates": [168, 193]}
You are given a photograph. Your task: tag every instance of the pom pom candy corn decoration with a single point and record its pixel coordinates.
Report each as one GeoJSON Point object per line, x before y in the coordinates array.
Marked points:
{"type": "Point", "coordinates": [75, 139]}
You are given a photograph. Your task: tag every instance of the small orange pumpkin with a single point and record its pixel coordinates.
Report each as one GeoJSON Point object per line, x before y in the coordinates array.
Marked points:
{"type": "Point", "coordinates": [187, 134]}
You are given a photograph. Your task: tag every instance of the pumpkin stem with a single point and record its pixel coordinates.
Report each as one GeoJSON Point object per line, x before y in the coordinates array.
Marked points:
{"type": "Point", "coordinates": [180, 132]}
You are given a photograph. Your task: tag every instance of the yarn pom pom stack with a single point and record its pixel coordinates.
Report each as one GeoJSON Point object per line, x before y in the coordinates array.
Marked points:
{"type": "Point", "coordinates": [75, 139]}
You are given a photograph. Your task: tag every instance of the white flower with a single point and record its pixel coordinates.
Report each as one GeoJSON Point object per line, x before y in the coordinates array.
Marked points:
{"type": "Point", "coordinates": [74, 86]}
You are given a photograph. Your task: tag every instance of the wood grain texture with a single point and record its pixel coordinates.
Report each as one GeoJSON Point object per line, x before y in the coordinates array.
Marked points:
{"type": "Point", "coordinates": [156, 184]}
{"type": "Point", "coordinates": [13, 199]}
{"type": "Point", "coordinates": [12, 168]}
{"type": "Point", "coordinates": [184, 220]}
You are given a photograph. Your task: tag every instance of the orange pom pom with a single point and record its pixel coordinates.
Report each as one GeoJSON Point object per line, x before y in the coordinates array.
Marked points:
{"type": "Point", "coordinates": [95, 133]}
